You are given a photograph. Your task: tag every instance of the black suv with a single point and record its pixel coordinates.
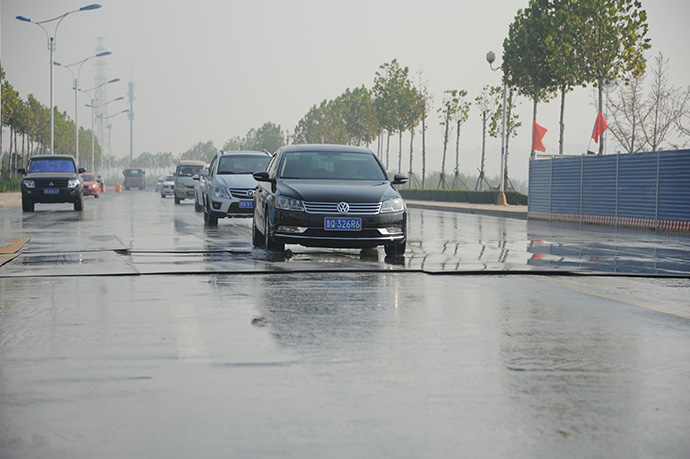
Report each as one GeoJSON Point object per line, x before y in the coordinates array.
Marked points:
{"type": "Point", "coordinates": [52, 179]}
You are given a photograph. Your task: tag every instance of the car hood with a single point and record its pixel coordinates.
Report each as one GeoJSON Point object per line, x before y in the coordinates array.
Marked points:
{"type": "Point", "coordinates": [39, 175]}
{"type": "Point", "coordinates": [236, 181]}
{"type": "Point", "coordinates": [337, 190]}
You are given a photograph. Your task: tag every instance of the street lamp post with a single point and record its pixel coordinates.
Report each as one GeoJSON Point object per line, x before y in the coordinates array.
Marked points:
{"type": "Point", "coordinates": [490, 58]}
{"type": "Point", "coordinates": [88, 91]}
{"type": "Point", "coordinates": [110, 154]}
{"type": "Point", "coordinates": [51, 48]}
{"type": "Point", "coordinates": [76, 89]}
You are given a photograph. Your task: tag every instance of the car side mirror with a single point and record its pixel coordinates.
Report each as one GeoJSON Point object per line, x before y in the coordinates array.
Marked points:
{"type": "Point", "coordinates": [81, 170]}
{"type": "Point", "coordinates": [203, 173]}
{"type": "Point", "coordinates": [261, 176]}
{"type": "Point", "coordinates": [399, 179]}
{"type": "Point", "coordinates": [22, 171]}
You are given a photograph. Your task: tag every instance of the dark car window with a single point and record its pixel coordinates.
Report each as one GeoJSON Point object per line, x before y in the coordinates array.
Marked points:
{"type": "Point", "coordinates": [242, 164]}
{"type": "Point", "coordinates": [331, 166]}
{"type": "Point", "coordinates": [133, 172]}
{"type": "Point", "coordinates": [52, 165]}
{"type": "Point", "coordinates": [88, 177]}
{"type": "Point", "coordinates": [188, 171]}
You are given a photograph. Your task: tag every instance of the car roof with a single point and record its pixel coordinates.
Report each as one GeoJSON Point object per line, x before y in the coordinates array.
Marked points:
{"type": "Point", "coordinates": [192, 162]}
{"type": "Point", "coordinates": [326, 148]}
{"type": "Point", "coordinates": [244, 152]}
{"type": "Point", "coordinates": [61, 157]}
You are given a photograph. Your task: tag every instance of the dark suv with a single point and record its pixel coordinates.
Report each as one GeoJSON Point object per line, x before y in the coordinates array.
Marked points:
{"type": "Point", "coordinates": [52, 179]}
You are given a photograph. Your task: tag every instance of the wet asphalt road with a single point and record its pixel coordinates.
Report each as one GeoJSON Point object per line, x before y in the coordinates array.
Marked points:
{"type": "Point", "coordinates": [134, 331]}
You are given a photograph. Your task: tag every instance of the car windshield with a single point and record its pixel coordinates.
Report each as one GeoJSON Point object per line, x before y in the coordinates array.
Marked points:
{"type": "Point", "coordinates": [188, 171]}
{"type": "Point", "coordinates": [52, 165]}
{"type": "Point", "coordinates": [242, 164]}
{"type": "Point", "coordinates": [331, 166]}
{"type": "Point", "coordinates": [133, 172]}
{"type": "Point", "coordinates": [169, 178]}
{"type": "Point", "coordinates": [88, 178]}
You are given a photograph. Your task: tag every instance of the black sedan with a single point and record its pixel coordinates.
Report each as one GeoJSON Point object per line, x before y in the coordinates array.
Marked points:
{"type": "Point", "coordinates": [328, 196]}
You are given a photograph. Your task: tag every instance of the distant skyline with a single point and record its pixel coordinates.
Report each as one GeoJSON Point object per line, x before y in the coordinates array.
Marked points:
{"type": "Point", "coordinates": [213, 69]}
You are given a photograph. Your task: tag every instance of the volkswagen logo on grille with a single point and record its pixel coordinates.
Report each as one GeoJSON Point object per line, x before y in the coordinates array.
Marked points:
{"type": "Point", "coordinates": [343, 207]}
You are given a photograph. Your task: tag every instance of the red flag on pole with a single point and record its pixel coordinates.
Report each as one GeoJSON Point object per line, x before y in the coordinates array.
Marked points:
{"type": "Point", "coordinates": [538, 133]}
{"type": "Point", "coordinates": [599, 127]}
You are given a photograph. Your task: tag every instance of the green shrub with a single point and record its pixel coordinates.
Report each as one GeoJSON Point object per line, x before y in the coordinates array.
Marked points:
{"type": "Point", "coordinates": [10, 184]}
{"type": "Point", "coordinates": [474, 197]}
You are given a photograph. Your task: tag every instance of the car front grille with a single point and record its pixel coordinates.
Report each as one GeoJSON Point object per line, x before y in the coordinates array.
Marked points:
{"type": "Point", "coordinates": [359, 208]}
{"type": "Point", "coordinates": [51, 183]}
{"type": "Point", "coordinates": [242, 192]}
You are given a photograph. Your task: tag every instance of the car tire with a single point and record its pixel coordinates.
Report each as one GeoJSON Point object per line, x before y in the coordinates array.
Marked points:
{"type": "Point", "coordinates": [269, 244]}
{"type": "Point", "coordinates": [396, 250]}
{"type": "Point", "coordinates": [257, 237]}
{"type": "Point", "coordinates": [162, 195]}
{"type": "Point", "coordinates": [209, 219]}
{"type": "Point", "coordinates": [96, 195]}
{"type": "Point", "coordinates": [197, 206]}
{"type": "Point", "coordinates": [27, 206]}
{"type": "Point", "coordinates": [177, 200]}
{"type": "Point", "coordinates": [79, 204]}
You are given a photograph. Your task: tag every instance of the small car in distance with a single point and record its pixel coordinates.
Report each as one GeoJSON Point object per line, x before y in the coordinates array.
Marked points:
{"type": "Point", "coordinates": [168, 186]}
{"type": "Point", "coordinates": [52, 179]}
{"type": "Point", "coordinates": [230, 185]}
{"type": "Point", "coordinates": [91, 185]}
{"type": "Point", "coordinates": [199, 189]}
{"type": "Point", "coordinates": [334, 196]}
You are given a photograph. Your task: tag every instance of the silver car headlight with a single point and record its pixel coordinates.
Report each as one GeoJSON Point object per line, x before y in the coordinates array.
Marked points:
{"type": "Point", "coordinates": [29, 184]}
{"type": "Point", "coordinates": [392, 205]}
{"type": "Point", "coordinates": [284, 203]}
{"type": "Point", "coordinates": [73, 183]}
{"type": "Point", "coordinates": [220, 192]}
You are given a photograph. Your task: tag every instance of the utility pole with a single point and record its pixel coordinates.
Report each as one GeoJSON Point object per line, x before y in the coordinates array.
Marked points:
{"type": "Point", "coordinates": [130, 115]}
{"type": "Point", "coordinates": [99, 98]}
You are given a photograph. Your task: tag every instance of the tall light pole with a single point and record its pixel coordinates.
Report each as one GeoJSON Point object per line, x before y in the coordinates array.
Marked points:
{"type": "Point", "coordinates": [88, 92]}
{"type": "Point", "coordinates": [110, 154]}
{"type": "Point", "coordinates": [501, 201]}
{"type": "Point", "coordinates": [76, 89]}
{"type": "Point", "coordinates": [51, 48]}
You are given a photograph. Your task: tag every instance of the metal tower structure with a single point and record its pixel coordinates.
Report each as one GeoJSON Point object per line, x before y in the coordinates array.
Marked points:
{"type": "Point", "coordinates": [99, 99]}
{"type": "Point", "coordinates": [130, 115]}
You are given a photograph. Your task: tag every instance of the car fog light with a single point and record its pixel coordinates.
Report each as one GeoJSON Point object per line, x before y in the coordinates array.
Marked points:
{"type": "Point", "coordinates": [291, 229]}
{"type": "Point", "coordinates": [392, 230]}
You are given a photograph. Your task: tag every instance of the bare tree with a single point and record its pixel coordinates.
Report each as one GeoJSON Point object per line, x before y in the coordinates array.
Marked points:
{"type": "Point", "coordinates": [627, 115]}
{"type": "Point", "coordinates": [665, 106]}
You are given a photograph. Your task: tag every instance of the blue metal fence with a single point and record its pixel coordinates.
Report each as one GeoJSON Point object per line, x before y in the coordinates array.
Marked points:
{"type": "Point", "coordinates": [641, 189]}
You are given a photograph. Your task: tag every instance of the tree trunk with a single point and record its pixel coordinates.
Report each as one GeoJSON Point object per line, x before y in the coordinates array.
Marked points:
{"type": "Point", "coordinates": [601, 110]}
{"type": "Point", "coordinates": [409, 172]}
{"type": "Point", "coordinates": [562, 122]}
{"type": "Point", "coordinates": [457, 150]}
{"type": "Point", "coordinates": [480, 179]}
{"type": "Point", "coordinates": [534, 120]}
{"type": "Point", "coordinates": [388, 147]}
{"type": "Point", "coordinates": [508, 132]}
{"type": "Point", "coordinates": [423, 148]}
{"type": "Point", "coordinates": [400, 152]}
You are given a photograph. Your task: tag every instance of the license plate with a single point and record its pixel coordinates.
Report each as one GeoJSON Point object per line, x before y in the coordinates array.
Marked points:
{"type": "Point", "coordinates": [246, 204]}
{"type": "Point", "coordinates": [51, 191]}
{"type": "Point", "coordinates": [342, 224]}
{"type": "Point", "coordinates": [190, 193]}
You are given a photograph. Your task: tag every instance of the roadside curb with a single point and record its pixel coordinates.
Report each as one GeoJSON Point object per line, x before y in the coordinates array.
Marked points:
{"type": "Point", "coordinates": [519, 212]}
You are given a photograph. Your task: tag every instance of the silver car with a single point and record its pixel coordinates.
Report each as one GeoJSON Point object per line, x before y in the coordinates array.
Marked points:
{"type": "Point", "coordinates": [168, 186]}
{"type": "Point", "coordinates": [229, 187]}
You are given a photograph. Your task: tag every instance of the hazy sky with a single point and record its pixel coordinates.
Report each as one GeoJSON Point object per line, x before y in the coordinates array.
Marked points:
{"type": "Point", "coordinates": [213, 69]}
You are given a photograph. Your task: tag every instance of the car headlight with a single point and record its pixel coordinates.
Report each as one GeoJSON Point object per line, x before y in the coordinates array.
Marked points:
{"type": "Point", "coordinates": [220, 192]}
{"type": "Point", "coordinates": [392, 205]}
{"type": "Point", "coordinates": [285, 203]}
{"type": "Point", "coordinates": [73, 183]}
{"type": "Point", "coordinates": [29, 183]}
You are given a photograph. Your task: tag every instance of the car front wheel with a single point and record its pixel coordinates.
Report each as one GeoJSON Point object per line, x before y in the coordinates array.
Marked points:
{"type": "Point", "coordinates": [396, 250]}
{"type": "Point", "coordinates": [269, 244]}
{"type": "Point", "coordinates": [27, 206]}
{"type": "Point", "coordinates": [257, 237]}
